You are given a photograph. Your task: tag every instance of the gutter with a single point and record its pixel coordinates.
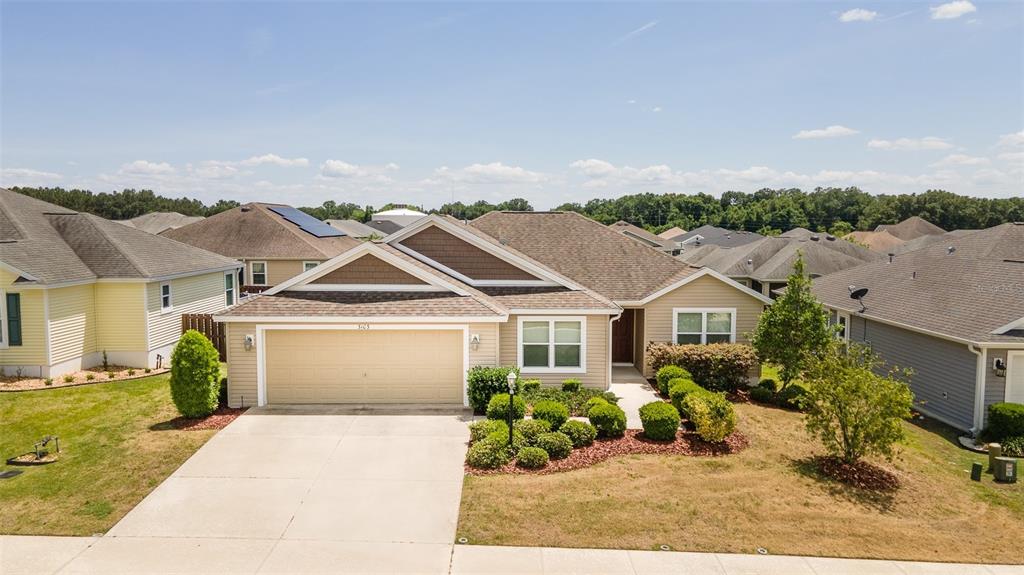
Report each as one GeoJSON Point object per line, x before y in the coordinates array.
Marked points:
{"type": "Point", "coordinates": [979, 388]}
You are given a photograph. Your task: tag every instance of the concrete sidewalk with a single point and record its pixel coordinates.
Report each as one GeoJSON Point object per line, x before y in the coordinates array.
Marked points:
{"type": "Point", "coordinates": [165, 555]}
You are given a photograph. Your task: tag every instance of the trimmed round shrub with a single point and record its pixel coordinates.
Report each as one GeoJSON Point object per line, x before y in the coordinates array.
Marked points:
{"type": "Point", "coordinates": [532, 458]}
{"type": "Point", "coordinates": [667, 374]}
{"type": "Point", "coordinates": [195, 375]}
{"type": "Point", "coordinates": [768, 383]}
{"type": "Point", "coordinates": [497, 408]}
{"type": "Point", "coordinates": [531, 384]}
{"type": "Point", "coordinates": [483, 382]}
{"type": "Point", "coordinates": [660, 421]}
{"type": "Point", "coordinates": [557, 444]}
{"type": "Point", "coordinates": [598, 400]}
{"type": "Point", "coordinates": [791, 396]}
{"type": "Point", "coordinates": [678, 389]}
{"type": "Point", "coordinates": [501, 437]}
{"type": "Point", "coordinates": [608, 419]}
{"type": "Point", "coordinates": [1013, 446]}
{"type": "Point", "coordinates": [571, 385]}
{"type": "Point", "coordinates": [762, 394]}
{"type": "Point", "coordinates": [1005, 420]}
{"type": "Point", "coordinates": [487, 454]}
{"type": "Point", "coordinates": [481, 429]}
{"type": "Point", "coordinates": [711, 414]}
{"type": "Point", "coordinates": [580, 432]}
{"type": "Point", "coordinates": [552, 412]}
{"type": "Point", "coordinates": [530, 429]}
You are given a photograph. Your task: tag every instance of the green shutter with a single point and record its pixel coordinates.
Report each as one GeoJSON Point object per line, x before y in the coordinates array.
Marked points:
{"type": "Point", "coordinates": [14, 319]}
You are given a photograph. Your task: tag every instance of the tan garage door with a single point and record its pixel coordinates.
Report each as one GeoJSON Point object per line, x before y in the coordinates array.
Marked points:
{"type": "Point", "coordinates": [364, 366]}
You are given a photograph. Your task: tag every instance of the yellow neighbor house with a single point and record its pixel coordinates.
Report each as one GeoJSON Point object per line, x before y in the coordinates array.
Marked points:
{"type": "Point", "coordinates": [74, 286]}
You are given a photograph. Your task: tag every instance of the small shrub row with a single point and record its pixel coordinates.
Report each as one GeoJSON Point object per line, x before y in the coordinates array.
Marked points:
{"type": "Point", "coordinates": [532, 457]}
{"type": "Point", "coordinates": [556, 444]}
{"type": "Point", "coordinates": [575, 400]}
{"type": "Point", "coordinates": [552, 412]}
{"type": "Point", "coordinates": [497, 407]}
{"type": "Point", "coordinates": [608, 419]}
{"type": "Point", "coordinates": [716, 366]}
{"type": "Point", "coordinates": [484, 382]}
{"type": "Point", "coordinates": [660, 421]}
{"type": "Point", "coordinates": [711, 414]}
{"type": "Point", "coordinates": [667, 374]}
{"type": "Point", "coordinates": [533, 442]}
{"type": "Point", "coordinates": [1005, 420]}
{"type": "Point", "coordinates": [789, 398]}
{"type": "Point", "coordinates": [580, 433]}
{"type": "Point", "coordinates": [678, 389]}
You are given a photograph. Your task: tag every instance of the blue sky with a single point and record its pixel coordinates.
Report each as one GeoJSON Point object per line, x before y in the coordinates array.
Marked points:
{"type": "Point", "coordinates": [420, 103]}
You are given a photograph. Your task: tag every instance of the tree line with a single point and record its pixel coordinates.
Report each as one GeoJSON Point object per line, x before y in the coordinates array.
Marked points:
{"type": "Point", "coordinates": [767, 211]}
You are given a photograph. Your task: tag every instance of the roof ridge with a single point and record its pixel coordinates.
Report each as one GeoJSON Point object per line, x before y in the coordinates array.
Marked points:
{"type": "Point", "coordinates": [91, 220]}
{"type": "Point", "coordinates": [606, 230]}
{"type": "Point", "coordinates": [472, 291]}
{"type": "Point", "coordinates": [7, 209]}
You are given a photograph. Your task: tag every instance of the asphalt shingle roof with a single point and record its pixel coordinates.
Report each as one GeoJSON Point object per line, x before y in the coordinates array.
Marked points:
{"type": "Point", "coordinates": [719, 236]}
{"type": "Point", "coordinates": [156, 222]}
{"type": "Point", "coordinates": [360, 304]}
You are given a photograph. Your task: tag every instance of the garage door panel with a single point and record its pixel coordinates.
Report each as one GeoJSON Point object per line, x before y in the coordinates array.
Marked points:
{"type": "Point", "coordinates": [364, 366]}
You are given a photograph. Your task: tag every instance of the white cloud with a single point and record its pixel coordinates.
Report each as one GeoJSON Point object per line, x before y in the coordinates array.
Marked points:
{"type": "Point", "coordinates": [27, 176]}
{"type": "Point", "coordinates": [631, 102]}
{"type": "Point", "coordinates": [926, 143]}
{"type": "Point", "coordinates": [1013, 140]}
{"type": "Point", "coordinates": [1012, 157]}
{"type": "Point", "coordinates": [952, 10]}
{"type": "Point", "coordinates": [339, 169]}
{"type": "Point", "coordinates": [275, 160]}
{"type": "Point", "coordinates": [146, 168]}
{"type": "Point", "coordinates": [829, 132]}
{"type": "Point", "coordinates": [342, 170]}
{"type": "Point", "coordinates": [635, 32]}
{"type": "Point", "coordinates": [215, 170]}
{"type": "Point", "coordinates": [858, 15]}
{"type": "Point", "coordinates": [492, 173]}
{"type": "Point", "coordinates": [656, 109]}
{"type": "Point", "coordinates": [961, 160]}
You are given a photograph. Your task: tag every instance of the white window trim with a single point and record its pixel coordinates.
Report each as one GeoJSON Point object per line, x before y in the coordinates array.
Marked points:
{"type": "Point", "coordinates": [304, 264]}
{"type": "Point", "coordinates": [551, 319]}
{"type": "Point", "coordinates": [846, 326]}
{"type": "Point", "coordinates": [4, 329]}
{"type": "Point", "coordinates": [170, 298]}
{"type": "Point", "coordinates": [233, 289]}
{"type": "Point", "coordinates": [252, 274]}
{"type": "Point", "coordinates": [1011, 358]}
{"type": "Point", "coordinates": [704, 311]}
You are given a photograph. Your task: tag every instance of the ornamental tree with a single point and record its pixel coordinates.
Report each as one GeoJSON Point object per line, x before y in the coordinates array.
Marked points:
{"type": "Point", "coordinates": [195, 375]}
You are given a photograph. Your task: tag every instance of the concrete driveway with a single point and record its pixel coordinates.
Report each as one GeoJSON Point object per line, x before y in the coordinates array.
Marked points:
{"type": "Point", "coordinates": [300, 490]}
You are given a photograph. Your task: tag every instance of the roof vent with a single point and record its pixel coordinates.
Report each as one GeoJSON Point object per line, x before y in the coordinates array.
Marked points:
{"type": "Point", "coordinates": [750, 262]}
{"type": "Point", "coordinates": [815, 238]}
{"type": "Point", "coordinates": [950, 249]}
{"type": "Point", "coordinates": [830, 238]}
{"type": "Point", "coordinates": [891, 255]}
{"type": "Point", "coordinates": [246, 208]}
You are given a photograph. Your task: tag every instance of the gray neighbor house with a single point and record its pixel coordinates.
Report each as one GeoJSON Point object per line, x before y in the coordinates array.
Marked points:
{"type": "Point", "coordinates": [952, 311]}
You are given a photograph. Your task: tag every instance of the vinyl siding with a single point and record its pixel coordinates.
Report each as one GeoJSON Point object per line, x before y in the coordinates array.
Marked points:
{"type": "Point", "coordinates": [487, 352]}
{"type": "Point", "coordinates": [277, 270]}
{"type": "Point", "coordinates": [597, 353]}
{"type": "Point", "coordinates": [120, 316]}
{"type": "Point", "coordinates": [703, 292]}
{"type": "Point", "coordinates": [32, 351]}
{"type": "Point", "coordinates": [195, 294]}
{"type": "Point", "coordinates": [72, 322]}
{"type": "Point", "coordinates": [368, 269]}
{"type": "Point", "coordinates": [940, 367]}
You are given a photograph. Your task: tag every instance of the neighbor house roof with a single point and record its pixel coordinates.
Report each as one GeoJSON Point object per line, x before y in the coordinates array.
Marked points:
{"type": "Point", "coordinates": [925, 241]}
{"type": "Point", "coordinates": [255, 231]}
{"type": "Point", "coordinates": [911, 228]}
{"type": "Point", "coordinates": [718, 236]}
{"type": "Point", "coordinates": [49, 244]}
{"type": "Point", "coordinates": [882, 241]}
{"type": "Point", "coordinates": [157, 222]}
{"type": "Point", "coordinates": [359, 304]}
{"type": "Point", "coordinates": [671, 233]}
{"type": "Point", "coordinates": [399, 216]}
{"type": "Point", "coordinates": [586, 252]}
{"type": "Point", "coordinates": [354, 228]}
{"type": "Point", "coordinates": [964, 289]}
{"type": "Point", "coordinates": [637, 233]}
{"type": "Point", "coordinates": [385, 227]}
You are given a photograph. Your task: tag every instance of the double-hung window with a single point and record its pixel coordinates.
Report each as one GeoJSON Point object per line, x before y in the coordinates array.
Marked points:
{"type": "Point", "coordinates": [703, 325]}
{"type": "Point", "coordinates": [258, 271]}
{"type": "Point", "coordinates": [229, 288]}
{"type": "Point", "coordinates": [838, 318]}
{"type": "Point", "coordinates": [552, 344]}
{"type": "Point", "coordinates": [165, 296]}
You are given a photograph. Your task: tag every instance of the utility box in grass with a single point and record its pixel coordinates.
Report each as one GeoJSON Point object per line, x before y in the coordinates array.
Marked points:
{"type": "Point", "coordinates": [1005, 470]}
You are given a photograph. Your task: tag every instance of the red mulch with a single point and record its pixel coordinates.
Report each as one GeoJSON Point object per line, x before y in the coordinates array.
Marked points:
{"type": "Point", "coordinates": [217, 420]}
{"type": "Point", "coordinates": [861, 474]}
{"type": "Point", "coordinates": [686, 443]}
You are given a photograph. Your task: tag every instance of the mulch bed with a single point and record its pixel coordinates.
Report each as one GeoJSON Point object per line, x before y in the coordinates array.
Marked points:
{"type": "Point", "coordinates": [217, 420]}
{"type": "Point", "coordinates": [861, 474]}
{"type": "Point", "coordinates": [99, 375]}
{"type": "Point", "coordinates": [686, 443]}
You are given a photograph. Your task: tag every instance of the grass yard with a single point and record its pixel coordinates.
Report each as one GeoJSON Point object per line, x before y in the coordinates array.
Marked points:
{"type": "Point", "coordinates": [766, 496]}
{"type": "Point", "coordinates": [115, 449]}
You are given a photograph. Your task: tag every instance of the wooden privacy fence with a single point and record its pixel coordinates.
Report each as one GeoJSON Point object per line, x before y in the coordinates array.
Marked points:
{"type": "Point", "coordinates": [204, 324]}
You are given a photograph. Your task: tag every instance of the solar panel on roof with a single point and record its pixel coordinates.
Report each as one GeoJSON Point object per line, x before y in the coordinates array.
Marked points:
{"type": "Point", "coordinates": [307, 223]}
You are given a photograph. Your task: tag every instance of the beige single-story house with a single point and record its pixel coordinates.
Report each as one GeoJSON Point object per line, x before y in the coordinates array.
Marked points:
{"type": "Point", "coordinates": [402, 320]}
{"type": "Point", "coordinates": [274, 242]}
{"type": "Point", "coordinates": [74, 286]}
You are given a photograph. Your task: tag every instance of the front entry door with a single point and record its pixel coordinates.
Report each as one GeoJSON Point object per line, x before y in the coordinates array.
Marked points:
{"type": "Point", "coordinates": [622, 337]}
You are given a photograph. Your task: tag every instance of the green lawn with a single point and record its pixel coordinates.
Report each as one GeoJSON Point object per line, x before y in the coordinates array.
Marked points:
{"type": "Point", "coordinates": [115, 448]}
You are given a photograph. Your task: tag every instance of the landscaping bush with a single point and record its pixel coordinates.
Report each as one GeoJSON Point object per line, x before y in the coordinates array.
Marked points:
{"type": "Point", "coordinates": [608, 419]}
{"type": "Point", "coordinates": [571, 385]}
{"type": "Point", "coordinates": [1005, 420]}
{"type": "Point", "coordinates": [481, 429]}
{"type": "Point", "coordinates": [762, 395]}
{"type": "Point", "coordinates": [580, 432]}
{"type": "Point", "coordinates": [518, 441]}
{"type": "Point", "coordinates": [530, 428]}
{"type": "Point", "coordinates": [497, 407]}
{"type": "Point", "coordinates": [1013, 446]}
{"type": "Point", "coordinates": [532, 458]}
{"type": "Point", "coordinates": [552, 412]}
{"type": "Point", "coordinates": [712, 415]}
{"type": "Point", "coordinates": [530, 385]}
{"type": "Point", "coordinates": [557, 444]}
{"type": "Point", "coordinates": [791, 397]}
{"type": "Point", "coordinates": [667, 374]}
{"type": "Point", "coordinates": [195, 375]}
{"type": "Point", "coordinates": [222, 392]}
{"type": "Point", "coordinates": [768, 383]}
{"type": "Point", "coordinates": [487, 454]}
{"type": "Point", "coordinates": [678, 389]}
{"type": "Point", "coordinates": [715, 366]}
{"type": "Point", "coordinates": [483, 382]}
{"type": "Point", "coordinates": [592, 402]}
{"type": "Point", "coordinates": [574, 400]}
{"type": "Point", "coordinates": [660, 421]}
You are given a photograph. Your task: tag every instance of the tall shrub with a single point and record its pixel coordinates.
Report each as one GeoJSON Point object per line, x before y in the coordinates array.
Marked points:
{"type": "Point", "coordinates": [483, 382]}
{"type": "Point", "coordinates": [195, 375]}
{"type": "Point", "coordinates": [715, 366]}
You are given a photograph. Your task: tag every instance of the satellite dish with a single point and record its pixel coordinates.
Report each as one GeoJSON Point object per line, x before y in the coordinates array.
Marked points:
{"type": "Point", "coordinates": [859, 293]}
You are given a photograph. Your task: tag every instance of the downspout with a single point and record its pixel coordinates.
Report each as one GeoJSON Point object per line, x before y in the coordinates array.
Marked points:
{"type": "Point", "coordinates": [979, 388]}
{"type": "Point", "coordinates": [611, 320]}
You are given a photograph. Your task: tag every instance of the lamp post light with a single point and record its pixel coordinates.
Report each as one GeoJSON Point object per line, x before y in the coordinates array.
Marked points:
{"type": "Point", "coordinates": [511, 396]}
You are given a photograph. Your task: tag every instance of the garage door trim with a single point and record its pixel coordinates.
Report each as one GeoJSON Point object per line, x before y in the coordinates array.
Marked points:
{"type": "Point", "coordinates": [261, 351]}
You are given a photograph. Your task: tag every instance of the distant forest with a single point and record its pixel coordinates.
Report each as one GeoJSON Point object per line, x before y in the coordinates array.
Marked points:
{"type": "Point", "coordinates": [768, 211]}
